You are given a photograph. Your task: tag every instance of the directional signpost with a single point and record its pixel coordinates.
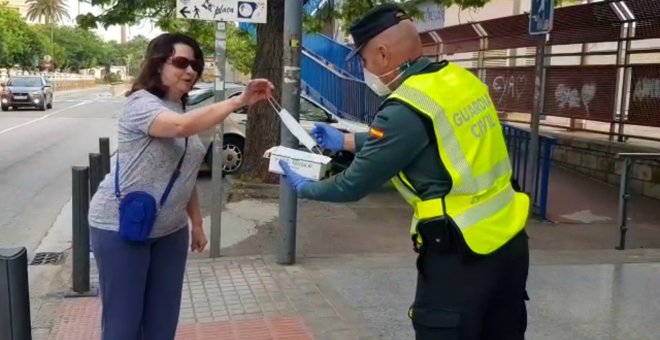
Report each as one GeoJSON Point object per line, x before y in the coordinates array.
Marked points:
{"type": "Point", "coordinates": [223, 10]}
{"type": "Point", "coordinates": [540, 24]}
{"type": "Point", "coordinates": [541, 16]}
{"type": "Point", "coordinates": [220, 11]}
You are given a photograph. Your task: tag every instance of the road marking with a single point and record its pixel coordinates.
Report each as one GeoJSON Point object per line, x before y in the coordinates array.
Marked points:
{"type": "Point", "coordinates": [42, 117]}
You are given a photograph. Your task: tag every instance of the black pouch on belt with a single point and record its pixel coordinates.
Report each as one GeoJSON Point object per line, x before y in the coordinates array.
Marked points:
{"type": "Point", "coordinates": [437, 238]}
{"type": "Point", "coordinates": [437, 235]}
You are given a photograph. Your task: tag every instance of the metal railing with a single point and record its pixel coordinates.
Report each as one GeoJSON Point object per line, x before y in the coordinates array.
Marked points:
{"type": "Point", "coordinates": [346, 96]}
{"type": "Point", "coordinates": [624, 195]}
{"type": "Point", "coordinates": [334, 52]}
{"type": "Point", "coordinates": [332, 80]}
{"type": "Point", "coordinates": [518, 142]}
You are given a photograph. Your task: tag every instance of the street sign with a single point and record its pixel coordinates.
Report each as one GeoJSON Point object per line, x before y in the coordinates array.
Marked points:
{"type": "Point", "coordinates": [541, 16]}
{"type": "Point", "coordinates": [222, 10]}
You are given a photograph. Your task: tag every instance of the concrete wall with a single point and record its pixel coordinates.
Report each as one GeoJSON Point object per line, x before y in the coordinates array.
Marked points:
{"type": "Point", "coordinates": [64, 85]}
{"type": "Point", "coordinates": [596, 159]}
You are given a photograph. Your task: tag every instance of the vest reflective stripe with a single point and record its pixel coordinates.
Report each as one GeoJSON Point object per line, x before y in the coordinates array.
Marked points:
{"type": "Point", "coordinates": [470, 183]}
{"type": "Point", "coordinates": [471, 145]}
{"type": "Point", "coordinates": [431, 208]}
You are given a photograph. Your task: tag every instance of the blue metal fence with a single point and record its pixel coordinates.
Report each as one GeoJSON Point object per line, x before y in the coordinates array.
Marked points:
{"type": "Point", "coordinates": [517, 143]}
{"type": "Point", "coordinates": [345, 96]}
{"type": "Point", "coordinates": [334, 52]}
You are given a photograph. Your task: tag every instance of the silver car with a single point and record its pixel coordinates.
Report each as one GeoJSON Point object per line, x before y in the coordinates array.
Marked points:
{"type": "Point", "coordinates": [311, 112]}
{"type": "Point", "coordinates": [26, 91]}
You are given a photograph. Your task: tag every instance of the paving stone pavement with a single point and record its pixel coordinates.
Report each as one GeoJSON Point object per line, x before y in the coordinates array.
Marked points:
{"type": "Point", "coordinates": [235, 298]}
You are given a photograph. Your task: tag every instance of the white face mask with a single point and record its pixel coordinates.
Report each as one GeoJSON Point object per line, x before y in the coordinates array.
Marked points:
{"type": "Point", "coordinates": [377, 85]}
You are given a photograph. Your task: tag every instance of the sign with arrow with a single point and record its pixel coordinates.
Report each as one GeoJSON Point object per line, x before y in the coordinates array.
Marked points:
{"type": "Point", "coordinates": [253, 11]}
{"type": "Point", "coordinates": [541, 16]}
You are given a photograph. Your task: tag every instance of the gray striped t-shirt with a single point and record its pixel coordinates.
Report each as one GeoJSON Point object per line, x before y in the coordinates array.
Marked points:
{"type": "Point", "coordinates": [147, 163]}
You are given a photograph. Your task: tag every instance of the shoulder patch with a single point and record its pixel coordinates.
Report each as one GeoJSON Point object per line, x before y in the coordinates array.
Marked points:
{"type": "Point", "coordinates": [376, 133]}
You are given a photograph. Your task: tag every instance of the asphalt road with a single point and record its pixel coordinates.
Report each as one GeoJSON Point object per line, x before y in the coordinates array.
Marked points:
{"type": "Point", "coordinates": [37, 151]}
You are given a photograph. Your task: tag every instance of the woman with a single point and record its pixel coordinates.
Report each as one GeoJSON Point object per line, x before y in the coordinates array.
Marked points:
{"type": "Point", "coordinates": [141, 281]}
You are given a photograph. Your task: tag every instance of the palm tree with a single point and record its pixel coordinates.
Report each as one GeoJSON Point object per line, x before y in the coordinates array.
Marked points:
{"type": "Point", "coordinates": [52, 11]}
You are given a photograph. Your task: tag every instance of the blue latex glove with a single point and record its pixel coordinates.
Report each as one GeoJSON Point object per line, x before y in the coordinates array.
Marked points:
{"type": "Point", "coordinates": [296, 181]}
{"type": "Point", "coordinates": [328, 137]}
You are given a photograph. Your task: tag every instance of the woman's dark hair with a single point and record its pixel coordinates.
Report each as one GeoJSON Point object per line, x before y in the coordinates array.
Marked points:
{"type": "Point", "coordinates": [158, 51]}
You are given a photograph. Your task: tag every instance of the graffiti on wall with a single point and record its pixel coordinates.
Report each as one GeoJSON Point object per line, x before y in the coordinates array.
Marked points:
{"type": "Point", "coordinates": [570, 97]}
{"type": "Point", "coordinates": [646, 88]}
{"type": "Point", "coordinates": [645, 95]}
{"type": "Point", "coordinates": [580, 92]}
{"type": "Point", "coordinates": [512, 89]}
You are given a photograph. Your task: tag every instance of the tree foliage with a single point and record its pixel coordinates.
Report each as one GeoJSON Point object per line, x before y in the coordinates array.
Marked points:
{"type": "Point", "coordinates": [52, 11]}
{"type": "Point", "coordinates": [25, 45]}
{"type": "Point", "coordinates": [19, 43]}
{"type": "Point", "coordinates": [241, 46]}
{"type": "Point", "coordinates": [241, 49]}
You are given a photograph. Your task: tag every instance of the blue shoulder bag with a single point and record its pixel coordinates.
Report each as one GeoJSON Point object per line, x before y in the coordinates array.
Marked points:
{"type": "Point", "coordinates": [138, 210]}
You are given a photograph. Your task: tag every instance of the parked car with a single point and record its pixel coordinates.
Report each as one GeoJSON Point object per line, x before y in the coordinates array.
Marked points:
{"type": "Point", "coordinates": [311, 112]}
{"type": "Point", "coordinates": [26, 91]}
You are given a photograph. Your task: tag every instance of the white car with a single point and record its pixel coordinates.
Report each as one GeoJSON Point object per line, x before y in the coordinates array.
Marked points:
{"type": "Point", "coordinates": [311, 112]}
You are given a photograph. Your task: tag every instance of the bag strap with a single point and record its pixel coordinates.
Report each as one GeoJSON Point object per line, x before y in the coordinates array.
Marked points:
{"type": "Point", "coordinates": [173, 178]}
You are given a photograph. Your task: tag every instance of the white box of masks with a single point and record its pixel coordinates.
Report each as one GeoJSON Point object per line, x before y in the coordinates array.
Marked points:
{"type": "Point", "coordinates": [307, 164]}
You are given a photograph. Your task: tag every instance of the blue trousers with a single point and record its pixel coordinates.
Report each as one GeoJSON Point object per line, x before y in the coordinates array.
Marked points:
{"type": "Point", "coordinates": [140, 284]}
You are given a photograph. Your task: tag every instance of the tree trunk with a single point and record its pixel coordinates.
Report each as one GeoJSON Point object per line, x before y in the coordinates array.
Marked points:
{"type": "Point", "coordinates": [263, 125]}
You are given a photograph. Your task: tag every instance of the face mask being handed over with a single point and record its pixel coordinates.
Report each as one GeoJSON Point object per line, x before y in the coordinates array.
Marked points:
{"type": "Point", "coordinates": [377, 85]}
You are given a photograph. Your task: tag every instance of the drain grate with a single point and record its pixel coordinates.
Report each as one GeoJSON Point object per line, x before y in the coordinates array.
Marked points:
{"type": "Point", "coordinates": [46, 258]}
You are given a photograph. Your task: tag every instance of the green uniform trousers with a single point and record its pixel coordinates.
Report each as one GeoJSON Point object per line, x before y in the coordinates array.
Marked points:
{"type": "Point", "coordinates": [464, 296]}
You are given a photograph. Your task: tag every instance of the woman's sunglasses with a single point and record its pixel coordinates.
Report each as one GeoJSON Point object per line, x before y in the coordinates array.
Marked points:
{"type": "Point", "coordinates": [183, 63]}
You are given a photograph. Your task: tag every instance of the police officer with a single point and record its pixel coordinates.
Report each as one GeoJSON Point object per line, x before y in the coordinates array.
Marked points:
{"type": "Point", "coordinates": [438, 139]}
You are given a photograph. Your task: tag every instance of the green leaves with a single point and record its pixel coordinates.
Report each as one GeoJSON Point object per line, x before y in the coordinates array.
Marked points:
{"type": "Point", "coordinates": [52, 11]}
{"type": "Point", "coordinates": [241, 46]}
{"type": "Point", "coordinates": [19, 43]}
{"type": "Point", "coordinates": [241, 49]}
{"type": "Point", "coordinates": [73, 48]}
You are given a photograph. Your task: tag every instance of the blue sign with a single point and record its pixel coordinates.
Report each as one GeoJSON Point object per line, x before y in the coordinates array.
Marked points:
{"type": "Point", "coordinates": [540, 16]}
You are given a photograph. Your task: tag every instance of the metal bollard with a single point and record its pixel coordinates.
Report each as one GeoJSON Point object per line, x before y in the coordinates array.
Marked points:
{"type": "Point", "coordinates": [80, 233]}
{"type": "Point", "coordinates": [95, 173]}
{"type": "Point", "coordinates": [15, 323]}
{"type": "Point", "coordinates": [104, 149]}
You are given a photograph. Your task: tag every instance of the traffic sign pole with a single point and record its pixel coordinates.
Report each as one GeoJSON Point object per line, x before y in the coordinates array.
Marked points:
{"type": "Point", "coordinates": [535, 122]}
{"type": "Point", "coordinates": [220, 11]}
{"type": "Point", "coordinates": [540, 25]}
{"type": "Point", "coordinates": [293, 12]}
{"type": "Point", "coordinates": [218, 154]}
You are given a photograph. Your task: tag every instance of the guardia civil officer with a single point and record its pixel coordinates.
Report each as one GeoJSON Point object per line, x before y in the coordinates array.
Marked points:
{"type": "Point", "coordinates": [438, 139]}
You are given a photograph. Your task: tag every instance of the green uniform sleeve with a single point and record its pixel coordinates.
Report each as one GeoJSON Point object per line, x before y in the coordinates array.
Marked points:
{"type": "Point", "coordinates": [360, 139]}
{"type": "Point", "coordinates": [403, 138]}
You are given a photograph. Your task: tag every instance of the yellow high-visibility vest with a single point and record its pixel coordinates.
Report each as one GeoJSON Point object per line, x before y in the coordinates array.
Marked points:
{"type": "Point", "coordinates": [471, 145]}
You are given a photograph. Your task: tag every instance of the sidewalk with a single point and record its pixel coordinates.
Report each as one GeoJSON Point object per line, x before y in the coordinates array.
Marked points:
{"type": "Point", "coordinates": [596, 295]}
{"type": "Point", "coordinates": [232, 298]}
{"type": "Point", "coordinates": [355, 275]}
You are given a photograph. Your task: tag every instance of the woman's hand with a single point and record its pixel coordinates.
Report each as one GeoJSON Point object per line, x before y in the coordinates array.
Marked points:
{"type": "Point", "coordinates": [255, 91]}
{"type": "Point", "coordinates": [198, 238]}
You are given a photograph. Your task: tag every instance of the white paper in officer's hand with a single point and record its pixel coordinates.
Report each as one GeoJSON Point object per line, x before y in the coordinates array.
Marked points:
{"type": "Point", "coordinates": [297, 130]}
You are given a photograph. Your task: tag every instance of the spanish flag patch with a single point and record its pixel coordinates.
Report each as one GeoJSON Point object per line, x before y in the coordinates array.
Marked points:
{"type": "Point", "coordinates": [376, 133]}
